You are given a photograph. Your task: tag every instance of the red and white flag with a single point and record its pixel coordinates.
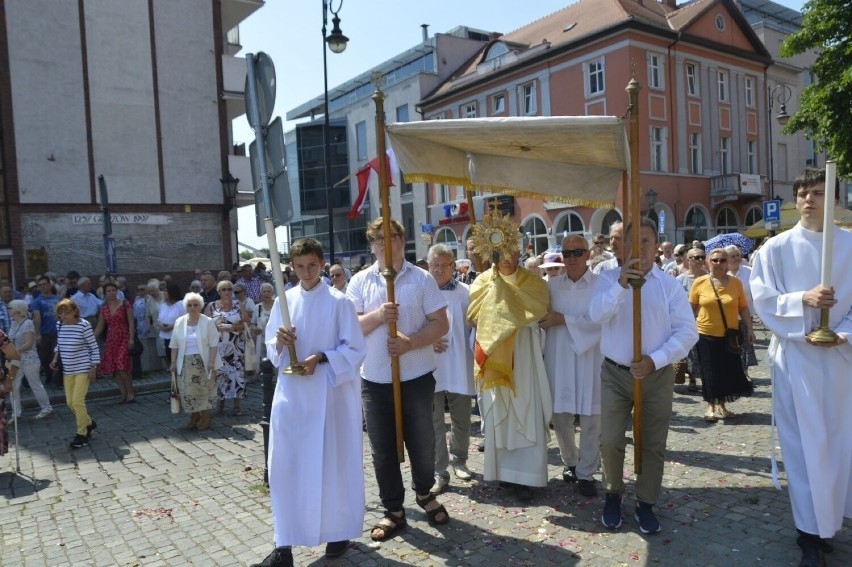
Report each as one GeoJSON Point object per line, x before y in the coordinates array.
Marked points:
{"type": "Point", "coordinates": [365, 175]}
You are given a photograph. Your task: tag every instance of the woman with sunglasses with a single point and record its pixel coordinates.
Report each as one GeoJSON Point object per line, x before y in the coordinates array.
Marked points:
{"type": "Point", "coordinates": [737, 268]}
{"type": "Point", "coordinates": [717, 300]}
{"type": "Point", "coordinates": [231, 319]}
{"type": "Point", "coordinates": [695, 268]}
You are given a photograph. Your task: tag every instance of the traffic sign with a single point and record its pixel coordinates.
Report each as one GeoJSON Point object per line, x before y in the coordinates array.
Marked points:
{"type": "Point", "coordinates": [662, 227]}
{"type": "Point", "coordinates": [772, 210]}
{"type": "Point", "coordinates": [110, 260]}
{"type": "Point", "coordinates": [264, 79]}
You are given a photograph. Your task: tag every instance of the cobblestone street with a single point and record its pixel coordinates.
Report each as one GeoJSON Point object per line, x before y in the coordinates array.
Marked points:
{"type": "Point", "coordinates": [150, 492]}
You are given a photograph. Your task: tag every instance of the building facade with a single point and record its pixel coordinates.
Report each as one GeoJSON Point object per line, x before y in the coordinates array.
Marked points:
{"type": "Point", "coordinates": [141, 93]}
{"type": "Point", "coordinates": [703, 109]}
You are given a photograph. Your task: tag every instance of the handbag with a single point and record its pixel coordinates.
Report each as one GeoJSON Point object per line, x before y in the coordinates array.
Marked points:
{"type": "Point", "coordinates": [250, 359]}
{"type": "Point", "coordinates": [137, 349]}
{"type": "Point", "coordinates": [174, 397]}
{"type": "Point", "coordinates": [733, 337]}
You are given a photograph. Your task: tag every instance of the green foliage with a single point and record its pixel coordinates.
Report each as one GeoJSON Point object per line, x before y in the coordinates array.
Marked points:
{"type": "Point", "coordinates": [826, 105]}
{"type": "Point", "coordinates": [246, 255]}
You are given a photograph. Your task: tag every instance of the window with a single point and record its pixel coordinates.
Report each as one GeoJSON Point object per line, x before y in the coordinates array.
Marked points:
{"type": "Point", "coordinates": [725, 155]}
{"type": "Point", "coordinates": [695, 153]}
{"type": "Point", "coordinates": [720, 22]}
{"type": "Point", "coordinates": [402, 113]}
{"type": "Point", "coordinates": [572, 222]}
{"type": "Point", "coordinates": [658, 150]}
{"type": "Point", "coordinates": [749, 92]}
{"type": "Point", "coordinates": [691, 80]}
{"type": "Point", "coordinates": [655, 80]}
{"type": "Point", "coordinates": [595, 83]}
{"type": "Point", "coordinates": [528, 94]}
{"type": "Point", "coordinates": [439, 116]}
{"type": "Point", "coordinates": [751, 156]}
{"type": "Point", "coordinates": [723, 86]}
{"type": "Point", "coordinates": [443, 193]}
{"type": "Point", "coordinates": [499, 102]}
{"type": "Point", "coordinates": [726, 221]}
{"type": "Point", "coordinates": [470, 110]}
{"type": "Point", "coordinates": [754, 215]}
{"type": "Point", "coordinates": [361, 139]}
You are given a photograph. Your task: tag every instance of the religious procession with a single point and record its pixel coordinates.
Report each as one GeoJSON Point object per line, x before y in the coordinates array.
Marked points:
{"type": "Point", "coordinates": [584, 343]}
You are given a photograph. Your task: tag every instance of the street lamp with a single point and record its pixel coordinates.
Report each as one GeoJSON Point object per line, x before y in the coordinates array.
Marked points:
{"type": "Point", "coordinates": [651, 199]}
{"type": "Point", "coordinates": [229, 189]}
{"type": "Point", "coordinates": [780, 94]}
{"type": "Point", "coordinates": [336, 42]}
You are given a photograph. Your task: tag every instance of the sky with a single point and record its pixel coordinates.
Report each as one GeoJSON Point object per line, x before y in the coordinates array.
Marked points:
{"type": "Point", "coordinates": [290, 32]}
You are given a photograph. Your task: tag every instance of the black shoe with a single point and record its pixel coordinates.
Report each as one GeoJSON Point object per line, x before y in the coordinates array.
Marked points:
{"type": "Point", "coordinates": [79, 441]}
{"type": "Point", "coordinates": [89, 428]}
{"type": "Point", "coordinates": [523, 493]}
{"type": "Point", "coordinates": [611, 516]}
{"type": "Point", "coordinates": [569, 474]}
{"type": "Point", "coordinates": [336, 548]}
{"type": "Point", "coordinates": [587, 488]}
{"type": "Point", "coordinates": [648, 523]}
{"type": "Point", "coordinates": [812, 554]}
{"type": "Point", "coordinates": [280, 557]}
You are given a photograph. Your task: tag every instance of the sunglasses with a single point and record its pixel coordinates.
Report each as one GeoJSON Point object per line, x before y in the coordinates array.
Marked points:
{"type": "Point", "coordinates": [697, 257]}
{"type": "Point", "coordinates": [719, 260]}
{"type": "Point", "coordinates": [141, 289]}
{"type": "Point", "coordinates": [576, 252]}
{"type": "Point", "coordinates": [227, 289]}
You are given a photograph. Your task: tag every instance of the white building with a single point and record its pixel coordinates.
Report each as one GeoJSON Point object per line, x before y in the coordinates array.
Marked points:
{"type": "Point", "coordinates": [142, 93]}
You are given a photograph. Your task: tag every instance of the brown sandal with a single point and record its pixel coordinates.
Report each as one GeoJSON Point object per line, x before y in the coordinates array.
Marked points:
{"type": "Point", "coordinates": [433, 514]}
{"type": "Point", "coordinates": [388, 530]}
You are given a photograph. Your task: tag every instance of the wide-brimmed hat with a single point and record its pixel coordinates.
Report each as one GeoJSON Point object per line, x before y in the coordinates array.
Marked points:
{"type": "Point", "coordinates": [552, 260]}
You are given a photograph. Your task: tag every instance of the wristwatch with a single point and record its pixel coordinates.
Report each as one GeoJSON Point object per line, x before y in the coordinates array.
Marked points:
{"type": "Point", "coordinates": [323, 358]}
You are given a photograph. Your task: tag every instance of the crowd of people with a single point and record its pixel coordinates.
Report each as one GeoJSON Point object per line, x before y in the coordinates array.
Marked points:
{"type": "Point", "coordinates": [536, 344]}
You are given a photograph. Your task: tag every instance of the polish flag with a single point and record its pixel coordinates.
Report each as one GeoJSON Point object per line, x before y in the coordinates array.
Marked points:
{"type": "Point", "coordinates": [365, 175]}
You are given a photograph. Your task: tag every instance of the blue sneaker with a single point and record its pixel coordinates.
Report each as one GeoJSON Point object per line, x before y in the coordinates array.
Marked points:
{"type": "Point", "coordinates": [611, 517]}
{"type": "Point", "coordinates": [648, 522]}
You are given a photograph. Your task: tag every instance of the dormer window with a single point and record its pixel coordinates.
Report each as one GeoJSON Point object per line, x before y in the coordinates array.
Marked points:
{"type": "Point", "coordinates": [496, 50]}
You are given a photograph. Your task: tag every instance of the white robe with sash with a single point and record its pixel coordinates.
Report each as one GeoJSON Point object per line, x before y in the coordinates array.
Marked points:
{"type": "Point", "coordinates": [812, 386]}
{"type": "Point", "coordinates": [316, 476]}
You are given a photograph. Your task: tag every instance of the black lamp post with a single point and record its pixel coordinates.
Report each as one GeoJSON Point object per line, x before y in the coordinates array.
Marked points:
{"type": "Point", "coordinates": [229, 189]}
{"type": "Point", "coordinates": [781, 94]}
{"type": "Point", "coordinates": [337, 44]}
{"type": "Point", "coordinates": [651, 199]}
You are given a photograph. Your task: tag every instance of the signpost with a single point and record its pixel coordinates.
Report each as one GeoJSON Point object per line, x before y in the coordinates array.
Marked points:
{"type": "Point", "coordinates": [662, 228]}
{"type": "Point", "coordinates": [772, 214]}
{"type": "Point", "coordinates": [110, 261]}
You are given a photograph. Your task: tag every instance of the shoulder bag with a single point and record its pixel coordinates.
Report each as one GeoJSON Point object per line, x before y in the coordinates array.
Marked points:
{"type": "Point", "coordinates": [250, 357]}
{"type": "Point", "coordinates": [174, 396]}
{"type": "Point", "coordinates": [733, 337]}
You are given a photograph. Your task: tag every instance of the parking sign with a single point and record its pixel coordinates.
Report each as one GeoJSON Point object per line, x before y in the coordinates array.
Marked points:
{"type": "Point", "coordinates": [772, 214]}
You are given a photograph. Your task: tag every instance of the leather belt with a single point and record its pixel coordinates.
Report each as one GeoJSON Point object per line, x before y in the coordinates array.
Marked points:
{"type": "Point", "coordinates": [617, 365]}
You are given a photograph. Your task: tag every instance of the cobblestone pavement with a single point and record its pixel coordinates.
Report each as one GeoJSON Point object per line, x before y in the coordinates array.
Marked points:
{"type": "Point", "coordinates": [150, 492]}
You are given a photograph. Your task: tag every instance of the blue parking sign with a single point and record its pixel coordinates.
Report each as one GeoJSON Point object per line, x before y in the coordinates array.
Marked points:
{"type": "Point", "coordinates": [772, 210]}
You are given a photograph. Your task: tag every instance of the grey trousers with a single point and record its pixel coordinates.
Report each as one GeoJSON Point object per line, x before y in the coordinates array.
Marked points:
{"type": "Point", "coordinates": [616, 412]}
{"type": "Point", "coordinates": [587, 457]}
{"type": "Point", "coordinates": [460, 409]}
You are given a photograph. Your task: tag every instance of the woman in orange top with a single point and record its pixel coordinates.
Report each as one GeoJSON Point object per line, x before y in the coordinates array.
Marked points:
{"type": "Point", "coordinates": [723, 379]}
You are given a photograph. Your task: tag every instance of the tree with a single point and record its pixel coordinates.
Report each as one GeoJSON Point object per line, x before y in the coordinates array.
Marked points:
{"type": "Point", "coordinates": [826, 105]}
{"type": "Point", "coordinates": [246, 255]}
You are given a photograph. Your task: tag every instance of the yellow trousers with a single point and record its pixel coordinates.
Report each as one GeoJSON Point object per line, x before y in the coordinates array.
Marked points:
{"type": "Point", "coordinates": [76, 388]}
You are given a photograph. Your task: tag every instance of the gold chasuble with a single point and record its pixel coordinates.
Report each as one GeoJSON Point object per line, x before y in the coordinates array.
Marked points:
{"type": "Point", "coordinates": [500, 305]}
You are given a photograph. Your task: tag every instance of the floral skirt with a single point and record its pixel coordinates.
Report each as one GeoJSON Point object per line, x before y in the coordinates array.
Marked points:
{"type": "Point", "coordinates": [197, 391]}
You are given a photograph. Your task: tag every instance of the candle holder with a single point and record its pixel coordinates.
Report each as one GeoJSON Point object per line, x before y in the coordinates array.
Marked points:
{"type": "Point", "coordinates": [294, 367]}
{"type": "Point", "coordinates": [823, 334]}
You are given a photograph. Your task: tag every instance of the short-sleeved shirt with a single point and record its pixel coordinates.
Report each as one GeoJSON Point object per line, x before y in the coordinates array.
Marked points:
{"type": "Point", "coordinates": [417, 295]}
{"type": "Point", "coordinates": [709, 318]}
{"type": "Point", "coordinates": [46, 306]}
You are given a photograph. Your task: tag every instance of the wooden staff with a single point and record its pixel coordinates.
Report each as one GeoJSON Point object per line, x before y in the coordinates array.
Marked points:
{"type": "Point", "coordinates": [388, 273]}
{"type": "Point", "coordinates": [633, 89]}
{"type": "Point", "coordinates": [477, 263]}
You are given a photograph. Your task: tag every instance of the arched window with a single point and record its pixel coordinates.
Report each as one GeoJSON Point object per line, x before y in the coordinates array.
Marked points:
{"type": "Point", "coordinates": [535, 236]}
{"type": "Point", "coordinates": [571, 222]}
{"type": "Point", "coordinates": [726, 221]}
{"type": "Point", "coordinates": [611, 217]}
{"type": "Point", "coordinates": [753, 215]}
{"type": "Point", "coordinates": [695, 227]}
{"type": "Point", "coordinates": [448, 237]}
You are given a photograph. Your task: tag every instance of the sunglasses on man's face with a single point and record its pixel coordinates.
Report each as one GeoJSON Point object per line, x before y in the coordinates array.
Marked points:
{"type": "Point", "coordinates": [576, 252]}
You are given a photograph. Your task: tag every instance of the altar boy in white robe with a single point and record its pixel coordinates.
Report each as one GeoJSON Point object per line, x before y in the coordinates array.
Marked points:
{"type": "Point", "coordinates": [811, 382]}
{"type": "Point", "coordinates": [572, 357]}
{"type": "Point", "coordinates": [316, 477]}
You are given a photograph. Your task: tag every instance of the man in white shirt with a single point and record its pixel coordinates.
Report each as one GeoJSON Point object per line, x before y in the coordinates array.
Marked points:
{"type": "Point", "coordinates": [573, 360]}
{"type": "Point", "coordinates": [668, 332]}
{"type": "Point", "coordinates": [87, 302]}
{"type": "Point", "coordinates": [454, 374]}
{"type": "Point", "coordinates": [338, 278]}
{"type": "Point", "coordinates": [616, 237]}
{"type": "Point", "coordinates": [812, 390]}
{"type": "Point", "coordinates": [420, 313]}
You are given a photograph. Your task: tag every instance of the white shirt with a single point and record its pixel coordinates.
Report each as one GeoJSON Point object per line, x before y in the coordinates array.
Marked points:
{"type": "Point", "coordinates": [668, 326]}
{"type": "Point", "coordinates": [88, 303]}
{"type": "Point", "coordinates": [610, 264]}
{"type": "Point", "coordinates": [454, 372]}
{"type": "Point", "coordinates": [417, 295]}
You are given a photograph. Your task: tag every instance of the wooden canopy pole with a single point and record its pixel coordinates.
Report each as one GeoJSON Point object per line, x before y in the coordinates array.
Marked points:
{"type": "Point", "coordinates": [633, 89]}
{"type": "Point", "coordinates": [477, 263]}
{"type": "Point", "coordinates": [389, 273]}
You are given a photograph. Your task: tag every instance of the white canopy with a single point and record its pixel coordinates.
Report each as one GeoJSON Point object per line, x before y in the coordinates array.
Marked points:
{"type": "Point", "coordinates": [572, 159]}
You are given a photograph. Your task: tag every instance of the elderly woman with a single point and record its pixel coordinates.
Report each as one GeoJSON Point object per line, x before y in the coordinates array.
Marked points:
{"type": "Point", "coordinates": [77, 348]}
{"type": "Point", "coordinates": [22, 335]}
{"type": "Point", "coordinates": [194, 359]}
{"type": "Point", "coordinates": [696, 267]}
{"type": "Point", "coordinates": [231, 319]}
{"type": "Point", "coordinates": [195, 286]}
{"type": "Point", "coordinates": [170, 310]}
{"type": "Point", "coordinates": [737, 268]}
{"type": "Point", "coordinates": [116, 317]}
{"type": "Point", "coordinates": [260, 316]}
{"type": "Point", "coordinates": [717, 300]}
{"type": "Point", "coordinates": [154, 346]}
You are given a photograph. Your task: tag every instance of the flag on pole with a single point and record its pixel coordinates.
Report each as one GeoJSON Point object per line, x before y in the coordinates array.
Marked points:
{"type": "Point", "coordinates": [365, 175]}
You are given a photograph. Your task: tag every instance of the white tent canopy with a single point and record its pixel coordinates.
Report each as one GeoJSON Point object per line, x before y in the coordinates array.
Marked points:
{"type": "Point", "coordinates": [573, 159]}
